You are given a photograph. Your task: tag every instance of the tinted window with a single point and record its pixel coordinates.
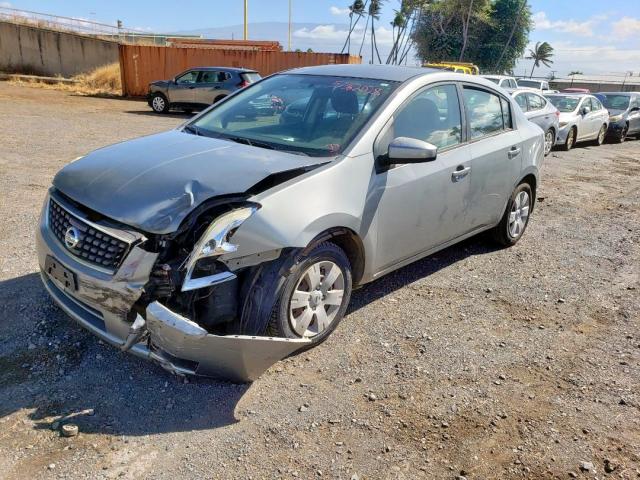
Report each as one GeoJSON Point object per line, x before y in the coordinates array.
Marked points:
{"type": "Point", "coordinates": [189, 77]}
{"type": "Point", "coordinates": [536, 102]}
{"type": "Point", "coordinates": [433, 116]}
{"type": "Point", "coordinates": [522, 101]}
{"type": "Point", "coordinates": [210, 77]}
{"type": "Point", "coordinates": [484, 110]}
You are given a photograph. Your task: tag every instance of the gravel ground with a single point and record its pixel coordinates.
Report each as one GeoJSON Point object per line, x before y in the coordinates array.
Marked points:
{"type": "Point", "coordinates": [476, 363]}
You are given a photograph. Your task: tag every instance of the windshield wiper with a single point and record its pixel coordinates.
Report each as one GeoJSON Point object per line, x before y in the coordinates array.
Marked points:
{"type": "Point", "coordinates": [192, 129]}
{"type": "Point", "coordinates": [251, 143]}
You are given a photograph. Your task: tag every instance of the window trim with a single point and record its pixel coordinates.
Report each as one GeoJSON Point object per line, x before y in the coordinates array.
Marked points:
{"type": "Point", "coordinates": [482, 88]}
{"type": "Point", "coordinates": [390, 121]}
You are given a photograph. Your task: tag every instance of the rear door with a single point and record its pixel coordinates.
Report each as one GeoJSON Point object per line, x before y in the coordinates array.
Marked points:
{"type": "Point", "coordinates": [634, 115]}
{"type": "Point", "coordinates": [537, 112]}
{"type": "Point", "coordinates": [496, 154]}
{"type": "Point", "coordinates": [183, 89]}
{"type": "Point", "coordinates": [210, 85]}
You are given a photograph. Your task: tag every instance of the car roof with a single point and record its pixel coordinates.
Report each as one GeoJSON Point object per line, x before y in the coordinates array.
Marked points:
{"type": "Point", "coordinates": [496, 76]}
{"type": "Point", "coordinates": [515, 91]}
{"type": "Point", "coordinates": [571, 95]}
{"type": "Point", "coordinates": [225, 69]}
{"type": "Point", "coordinates": [627, 94]}
{"type": "Point", "coordinates": [392, 73]}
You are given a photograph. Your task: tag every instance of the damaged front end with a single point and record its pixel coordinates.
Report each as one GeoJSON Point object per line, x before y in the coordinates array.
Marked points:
{"type": "Point", "coordinates": [171, 299]}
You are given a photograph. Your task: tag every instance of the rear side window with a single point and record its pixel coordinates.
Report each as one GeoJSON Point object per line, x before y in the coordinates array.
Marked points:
{"type": "Point", "coordinates": [536, 102]}
{"type": "Point", "coordinates": [432, 115]}
{"type": "Point", "coordinates": [250, 77]}
{"type": "Point", "coordinates": [522, 101]}
{"type": "Point", "coordinates": [512, 83]}
{"type": "Point", "coordinates": [487, 112]}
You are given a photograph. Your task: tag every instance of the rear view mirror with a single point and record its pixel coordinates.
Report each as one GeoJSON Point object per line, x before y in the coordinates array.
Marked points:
{"type": "Point", "coordinates": [585, 110]}
{"type": "Point", "coordinates": [411, 150]}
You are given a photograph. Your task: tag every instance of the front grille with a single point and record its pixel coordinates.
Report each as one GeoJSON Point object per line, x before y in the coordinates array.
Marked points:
{"type": "Point", "coordinates": [94, 246]}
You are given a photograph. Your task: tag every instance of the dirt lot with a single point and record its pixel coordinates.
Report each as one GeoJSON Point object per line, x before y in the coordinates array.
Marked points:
{"type": "Point", "coordinates": [477, 362]}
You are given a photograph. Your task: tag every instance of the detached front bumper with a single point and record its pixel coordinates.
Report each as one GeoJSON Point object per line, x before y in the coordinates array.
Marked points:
{"type": "Point", "coordinates": [561, 137]}
{"type": "Point", "coordinates": [101, 301]}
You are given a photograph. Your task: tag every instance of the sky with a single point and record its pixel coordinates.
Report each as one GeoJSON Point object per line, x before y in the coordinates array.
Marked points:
{"type": "Point", "coordinates": [592, 36]}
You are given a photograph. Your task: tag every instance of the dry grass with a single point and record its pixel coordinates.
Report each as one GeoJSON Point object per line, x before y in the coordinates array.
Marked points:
{"type": "Point", "coordinates": [103, 80]}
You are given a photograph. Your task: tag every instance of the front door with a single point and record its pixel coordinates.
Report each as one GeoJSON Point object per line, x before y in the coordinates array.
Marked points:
{"type": "Point", "coordinates": [422, 205]}
{"type": "Point", "coordinates": [183, 89]}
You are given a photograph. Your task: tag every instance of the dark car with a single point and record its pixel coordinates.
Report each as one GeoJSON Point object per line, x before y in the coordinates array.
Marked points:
{"type": "Point", "coordinates": [199, 87]}
{"type": "Point", "coordinates": [624, 114]}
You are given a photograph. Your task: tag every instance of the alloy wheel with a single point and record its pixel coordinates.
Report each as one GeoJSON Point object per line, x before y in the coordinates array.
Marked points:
{"type": "Point", "coordinates": [519, 214]}
{"type": "Point", "coordinates": [158, 104]}
{"type": "Point", "coordinates": [601, 135]}
{"type": "Point", "coordinates": [316, 299]}
{"type": "Point", "coordinates": [548, 142]}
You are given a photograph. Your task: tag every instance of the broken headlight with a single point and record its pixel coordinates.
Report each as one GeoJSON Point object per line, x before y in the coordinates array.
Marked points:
{"type": "Point", "coordinates": [213, 243]}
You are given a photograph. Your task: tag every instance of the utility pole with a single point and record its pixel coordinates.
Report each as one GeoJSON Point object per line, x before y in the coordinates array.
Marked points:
{"type": "Point", "coordinates": [289, 25]}
{"type": "Point", "coordinates": [246, 27]}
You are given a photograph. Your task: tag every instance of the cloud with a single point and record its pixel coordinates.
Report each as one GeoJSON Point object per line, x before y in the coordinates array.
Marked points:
{"type": "Point", "coordinates": [583, 29]}
{"type": "Point", "coordinates": [384, 36]}
{"type": "Point", "coordinates": [626, 27]}
{"type": "Point", "coordinates": [339, 12]}
{"type": "Point", "coordinates": [5, 4]}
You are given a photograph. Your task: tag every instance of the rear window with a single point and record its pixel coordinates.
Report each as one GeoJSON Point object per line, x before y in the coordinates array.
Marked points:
{"type": "Point", "coordinates": [250, 77]}
{"type": "Point", "coordinates": [529, 83]}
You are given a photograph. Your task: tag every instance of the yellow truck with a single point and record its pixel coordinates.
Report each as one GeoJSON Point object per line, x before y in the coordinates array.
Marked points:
{"type": "Point", "coordinates": [458, 67]}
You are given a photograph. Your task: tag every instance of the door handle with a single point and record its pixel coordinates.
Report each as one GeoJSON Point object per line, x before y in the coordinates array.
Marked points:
{"type": "Point", "coordinates": [460, 172]}
{"type": "Point", "coordinates": [514, 152]}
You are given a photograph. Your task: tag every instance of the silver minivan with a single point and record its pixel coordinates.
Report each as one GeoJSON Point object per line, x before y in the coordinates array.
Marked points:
{"type": "Point", "coordinates": [234, 240]}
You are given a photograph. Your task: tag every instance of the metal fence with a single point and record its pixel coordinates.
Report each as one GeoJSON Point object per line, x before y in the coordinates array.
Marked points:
{"type": "Point", "coordinates": [142, 64]}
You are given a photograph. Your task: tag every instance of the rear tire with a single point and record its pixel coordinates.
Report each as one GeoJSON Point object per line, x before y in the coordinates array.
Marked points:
{"type": "Point", "coordinates": [549, 140]}
{"type": "Point", "coordinates": [159, 103]}
{"type": "Point", "coordinates": [315, 295]}
{"type": "Point", "coordinates": [516, 216]}
{"type": "Point", "coordinates": [571, 140]}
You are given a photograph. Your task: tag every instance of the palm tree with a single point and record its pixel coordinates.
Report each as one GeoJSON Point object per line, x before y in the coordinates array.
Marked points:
{"type": "Point", "coordinates": [541, 53]}
{"type": "Point", "coordinates": [575, 72]}
{"type": "Point", "coordinates": [375, 7]}
{"type": "Point", "coordinates": [357, 8]}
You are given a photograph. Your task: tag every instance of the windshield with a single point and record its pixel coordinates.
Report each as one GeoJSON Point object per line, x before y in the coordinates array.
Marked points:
{"type": "Point", "coordinates": [312, 115]}
{"type": "Point", "coordinates": [494, 80]}
{"type": "Point", "coordinates": [564, 104]}
{"type": "Point", "coordinates": [614, 102]}
{"type": "Point", "coordinates": [529, 83]}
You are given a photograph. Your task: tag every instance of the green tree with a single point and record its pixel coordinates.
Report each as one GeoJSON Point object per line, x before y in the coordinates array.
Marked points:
{"type": "Point", "coordinates": [493, 34]}
{"type": "Point", "coordinates": [541, 54]}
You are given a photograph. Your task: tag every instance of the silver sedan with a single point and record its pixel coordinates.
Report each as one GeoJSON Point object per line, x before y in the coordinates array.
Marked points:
{"type": "Point", "coordinates": [541, 112]}
{"type": "Point", "coordinates": [582, 118]}
{"type": "Point", "coordinates": [226, 244]}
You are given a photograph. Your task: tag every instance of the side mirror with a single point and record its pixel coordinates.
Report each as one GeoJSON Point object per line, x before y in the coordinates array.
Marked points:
{"type": "Point", "coordinates": [634, 109]}
{"type": "Point", "coordinates": [411, 150]}
{"type": "Point", "coordinates": [585, 110]}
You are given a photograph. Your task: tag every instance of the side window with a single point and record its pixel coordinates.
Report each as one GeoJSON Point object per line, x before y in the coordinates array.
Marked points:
{"type": "Point", "coordinates": [586, 103]}
{"type": "Point", "coordinates": [484, 111]}
{"type": "Point", "coordinates": [189, 77]}
{"type": "Point", "coordinates": [596, 104]}
{"type": "Point", "coordinates": [512, 83]}
{"type": "Point", "coordinates": [535, 101]}
{"type": "Point", "coordinates": [522, 101]}
{"type": "Point", "coordinates": [433, 115]}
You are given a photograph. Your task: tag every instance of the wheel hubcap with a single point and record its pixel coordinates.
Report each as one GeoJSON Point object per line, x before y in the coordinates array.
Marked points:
{"type": "Point", "coordinates": [317, 298]}
{"type": "Point", "coordinates": [519, 214]}
{"type": "Point", "coordinates": [548, 142]}
{"type": "Point", "coordinates": [158, 103]}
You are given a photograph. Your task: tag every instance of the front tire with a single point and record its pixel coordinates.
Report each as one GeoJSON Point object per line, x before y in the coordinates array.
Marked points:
{"type": "Point", "coordinates": [159, 103]}
{"type": "Point", "coordinates": [516, 216]}
{"type": "Point", "coordinates": [315, 295]}
{"type": "Point", "coordinates": [622, 136]}
{"type": "Point", "coordinates": [601, 136]}
{"type": "Point", "coordinates": [571, 140]}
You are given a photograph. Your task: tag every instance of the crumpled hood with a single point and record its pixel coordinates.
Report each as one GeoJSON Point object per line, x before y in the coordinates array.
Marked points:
{"type": "Point", "coordinates": [152, 183]}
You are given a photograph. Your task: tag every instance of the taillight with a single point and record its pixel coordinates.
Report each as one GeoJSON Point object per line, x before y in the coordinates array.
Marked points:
{"type": "Point", "coordinates": [243, 84]}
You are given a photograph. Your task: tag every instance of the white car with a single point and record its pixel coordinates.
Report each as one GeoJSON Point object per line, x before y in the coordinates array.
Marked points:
{"type": "Point", "coordinates": [541, 85]}
{"type": "Point", "coordinates": [582, 118]}
{"type": "Point", "coordinates": [503, 81]}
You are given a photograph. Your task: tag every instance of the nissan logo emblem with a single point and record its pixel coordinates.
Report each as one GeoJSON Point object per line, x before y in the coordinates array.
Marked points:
{"type": "Point", "coordinates": [71, 237]}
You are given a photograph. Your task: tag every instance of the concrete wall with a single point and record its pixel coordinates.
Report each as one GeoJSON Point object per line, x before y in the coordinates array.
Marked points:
{"type": "Point", "coordinates": [37, 51]}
